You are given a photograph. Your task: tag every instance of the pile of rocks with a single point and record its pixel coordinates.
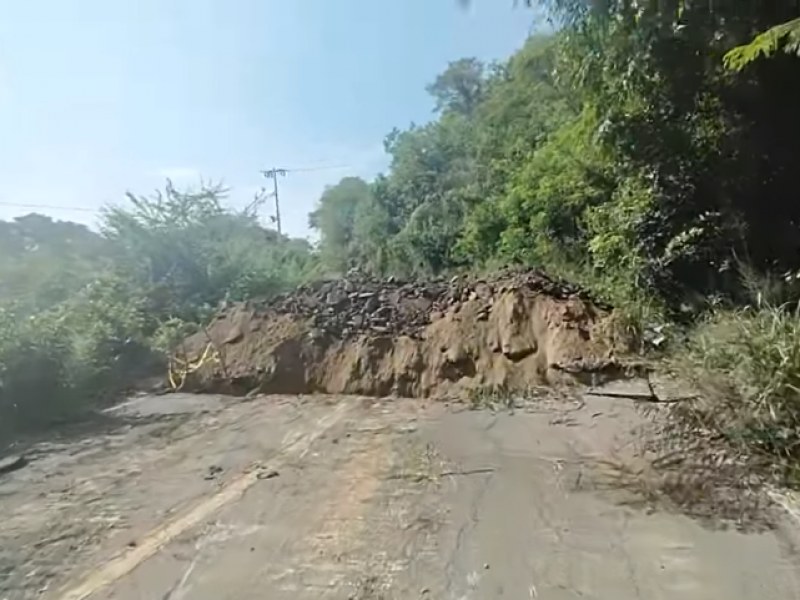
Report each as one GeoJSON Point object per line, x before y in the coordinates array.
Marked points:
{"type": "Point", "coordinates": [358, 304]}
{"type": "Point", "coordinates": [378, 337]}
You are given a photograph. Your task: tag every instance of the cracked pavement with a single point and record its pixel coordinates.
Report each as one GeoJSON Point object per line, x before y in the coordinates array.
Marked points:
{"type": "Point", "coordinates": [208, 498]}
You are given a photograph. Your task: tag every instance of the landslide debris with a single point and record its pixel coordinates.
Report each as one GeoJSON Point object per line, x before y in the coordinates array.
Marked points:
{"type": "Point", "coordinates": [360, 335]}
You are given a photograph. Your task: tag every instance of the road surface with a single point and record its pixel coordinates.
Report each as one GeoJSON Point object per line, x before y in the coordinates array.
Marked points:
{"type": "Point", "coordinates": [207, 498]}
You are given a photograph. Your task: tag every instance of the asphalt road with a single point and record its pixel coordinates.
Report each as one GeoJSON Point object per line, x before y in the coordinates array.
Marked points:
{"type": "Point", "coordinates": [181, 497]}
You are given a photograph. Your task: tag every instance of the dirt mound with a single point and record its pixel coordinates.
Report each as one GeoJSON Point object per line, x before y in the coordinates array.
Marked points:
{"type": "Point", "coordinates": [381, 337]}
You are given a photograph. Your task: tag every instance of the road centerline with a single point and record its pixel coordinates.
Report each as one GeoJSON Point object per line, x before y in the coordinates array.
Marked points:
{"type": "Point", "coordinates": [167, 531]}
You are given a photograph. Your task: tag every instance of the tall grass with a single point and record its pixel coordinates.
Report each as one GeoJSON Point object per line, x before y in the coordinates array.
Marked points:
{"type": "Point", "coordinates": [745, 365]}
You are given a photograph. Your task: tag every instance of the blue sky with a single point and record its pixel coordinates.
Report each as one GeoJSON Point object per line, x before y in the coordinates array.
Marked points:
{"type": "Point", "coordinates": [98, 97]}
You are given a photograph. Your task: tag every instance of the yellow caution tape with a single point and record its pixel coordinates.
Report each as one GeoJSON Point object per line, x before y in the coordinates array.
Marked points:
{"type": "Point", "coordinates": [180, 369]}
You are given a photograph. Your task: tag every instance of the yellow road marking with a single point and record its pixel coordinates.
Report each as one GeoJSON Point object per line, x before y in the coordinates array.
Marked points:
{"type": "Point", "coordinates": [164, 533]}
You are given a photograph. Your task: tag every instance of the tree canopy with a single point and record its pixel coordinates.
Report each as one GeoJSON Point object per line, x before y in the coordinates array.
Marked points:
{"type": "Point", "coordinates": [647, 144]}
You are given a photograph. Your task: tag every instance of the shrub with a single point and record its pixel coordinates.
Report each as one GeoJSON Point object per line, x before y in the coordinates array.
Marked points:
{"type": "Point", "coordinates": [746, 366]}
{"type": "Point", "coordinates": [168, 262]}
{"type": "Point", "coordinates": [60, 362]}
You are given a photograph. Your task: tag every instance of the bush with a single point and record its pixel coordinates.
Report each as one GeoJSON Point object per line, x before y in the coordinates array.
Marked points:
{"type": "Point", "coordinates": [58, 363]}
{"type": "Point", "coordinates": [746, 365]}
{"type": "Point", "coordinates": [33, 359]}
{"type": "Point", "coordinates": [167, 263]}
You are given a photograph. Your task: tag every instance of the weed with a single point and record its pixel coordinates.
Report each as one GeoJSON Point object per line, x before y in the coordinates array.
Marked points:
{"type": "Point", "coordinates": [492, 397]}
{"type": "Point", "coordinates": [745, 366]}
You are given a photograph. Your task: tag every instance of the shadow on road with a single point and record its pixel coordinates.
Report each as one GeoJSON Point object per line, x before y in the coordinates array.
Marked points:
{"type": "Point", "coordinates": [169, 411]}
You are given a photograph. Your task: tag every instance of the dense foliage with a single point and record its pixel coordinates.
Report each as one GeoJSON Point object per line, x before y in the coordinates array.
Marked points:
{"type": "Point", "coordinates": [622, 148]}
{"type": "Point", "coordinates": [84, 314]}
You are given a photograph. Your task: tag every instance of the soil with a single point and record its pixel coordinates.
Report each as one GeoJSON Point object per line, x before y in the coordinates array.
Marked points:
{"type": "Point", "coordinates": [358, 335]}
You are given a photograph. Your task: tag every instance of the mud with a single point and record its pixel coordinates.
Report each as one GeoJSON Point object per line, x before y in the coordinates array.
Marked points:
{"type": "Point", "coordinates": [381, 338]}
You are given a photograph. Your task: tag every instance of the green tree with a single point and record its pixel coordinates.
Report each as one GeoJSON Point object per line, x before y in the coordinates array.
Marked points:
{"type": "Point", "coordinates": [82, 315]}
{"type": "Point", "coordinates": [189, 252]}
{"type": "Point", "coordinates": [460, 87]}
{"type": "Point", "coordinates": [43, 261]}
{"type": "Point", "coordinates": [336, 217]}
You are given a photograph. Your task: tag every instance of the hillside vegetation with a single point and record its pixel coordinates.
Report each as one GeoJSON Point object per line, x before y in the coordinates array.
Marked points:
{"type": "Point", "coordinates": [644, 150]}
{"type": "Point", "coordinates": [84, 314]}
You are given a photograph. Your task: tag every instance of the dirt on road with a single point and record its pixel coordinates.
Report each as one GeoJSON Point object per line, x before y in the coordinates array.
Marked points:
{"type": "Point", "coordinates": [359, 335]}
{"type": "Point", "coordinates": [207, 498]}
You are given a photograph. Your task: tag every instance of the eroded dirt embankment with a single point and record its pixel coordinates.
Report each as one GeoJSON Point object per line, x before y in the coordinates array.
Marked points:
{"type": "Point", "coordinates": [361, 336]}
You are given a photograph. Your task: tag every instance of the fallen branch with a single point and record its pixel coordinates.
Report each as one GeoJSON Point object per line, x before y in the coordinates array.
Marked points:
{"type": "Point", "coordinates": [422, 477]}
{"type": "Point", "coordinates": [641, 397]}
{"type": "Point", "coordinates": [470, 472]}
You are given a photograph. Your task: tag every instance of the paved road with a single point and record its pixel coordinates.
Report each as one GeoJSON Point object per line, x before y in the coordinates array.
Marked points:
{"type": "Point", "coordinates": [344, 498]}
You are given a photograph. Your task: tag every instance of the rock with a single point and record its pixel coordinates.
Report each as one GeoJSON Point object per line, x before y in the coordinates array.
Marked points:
{"type": "Point", "coordinates": [361, 334]}
{"type": "Point", "coordinates": [234, 336]}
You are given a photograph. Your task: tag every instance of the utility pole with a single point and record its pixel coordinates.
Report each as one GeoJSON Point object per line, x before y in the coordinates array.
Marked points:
{"type": "Point", "coordinates": [273, 174]}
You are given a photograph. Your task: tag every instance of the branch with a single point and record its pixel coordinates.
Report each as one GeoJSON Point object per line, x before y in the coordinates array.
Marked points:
{"type": "Point", "coordinates": [784, 37]}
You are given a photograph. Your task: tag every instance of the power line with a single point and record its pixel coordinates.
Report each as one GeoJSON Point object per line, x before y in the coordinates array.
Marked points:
{"type": "Point", "coordinates": [273, 174]}
{"type": "Point", "coordinates": [281, 172]}
{"type": "Point", "coordinates": [309, 169]}
{"type": "Point", "coordinates": [50, 207]}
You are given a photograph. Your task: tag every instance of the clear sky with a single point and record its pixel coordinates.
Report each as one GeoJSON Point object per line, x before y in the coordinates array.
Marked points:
{"type": "Point", "coordinates": [98, 97]}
